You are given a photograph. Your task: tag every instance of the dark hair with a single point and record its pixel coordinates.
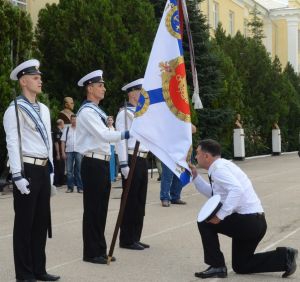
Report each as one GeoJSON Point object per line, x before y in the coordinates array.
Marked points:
{"type": "Point", "coordinates": [73, 116]}
{"type": "Point", "coordinates": [210, 146]}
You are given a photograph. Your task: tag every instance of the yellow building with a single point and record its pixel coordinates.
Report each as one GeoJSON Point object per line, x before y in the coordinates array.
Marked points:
{"type": "Point", "coordinates": [33, 6]}
{"type": "Point", "coordinates": [281, 23]}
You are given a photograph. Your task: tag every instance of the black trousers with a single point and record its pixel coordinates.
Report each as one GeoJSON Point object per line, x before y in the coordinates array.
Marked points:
{"type": "Point", "coordinates": [133, 219]}
{"type": "Point", "coordinates": [246, 232]}
{"type": "Point", "coordinates": [95, 176]}
{"type": "Point", "coordinates": [32, 215]}
{"type": "Point", "coordinates": [59, 172]}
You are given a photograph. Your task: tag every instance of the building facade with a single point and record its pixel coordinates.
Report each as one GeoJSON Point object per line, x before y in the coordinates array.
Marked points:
{"type": "Point", "coordinates": [33, 6]}
{"type": "Point", "coordinates": [281, 23]}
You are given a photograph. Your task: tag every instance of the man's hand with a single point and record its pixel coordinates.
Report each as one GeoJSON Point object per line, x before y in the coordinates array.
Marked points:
{"type": "Point", "coordinates": [64, 156]}
{"type": "Point", "coordinates": [58, 157]}
{"type": "Point", "coordinates": [22, 186]}
{"type": "Point", "coordinates": [215, 220]}
{"type": "Point", "coordinates": [194, 170]}
{"type": "Point", "coordinates": [125, 171]}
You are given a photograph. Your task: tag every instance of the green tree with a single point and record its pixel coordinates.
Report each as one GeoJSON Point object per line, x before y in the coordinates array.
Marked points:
{"type": "Point", "coordinates": [256, 25]}
{"type": "Point", "coordinates": [292, 121]}
{"type": "Point", "coordinates": [75, 37]}
{"type": "Point", "coordinates": [15, 46]}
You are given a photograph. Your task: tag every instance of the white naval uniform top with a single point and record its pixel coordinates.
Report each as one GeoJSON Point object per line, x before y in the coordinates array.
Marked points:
{"type": "Point", "coordinates": [120, 125]}
{"type": "Point", "coordinates": [92, 134]}
{"type": "Point", "coordinates": [32, 142]}
{"type": "Point", "coordinates": [234, 187]}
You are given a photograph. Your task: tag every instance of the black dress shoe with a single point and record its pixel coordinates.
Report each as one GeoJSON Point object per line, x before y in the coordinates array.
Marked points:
{"type": "Point", "coordinates": [144, 245]}
{"type": "Point", "coordinates": [26, 280]}
{"type": "Point", "coordinates": [99, 260]}
{"type": "Point", "coordinates": [134, 246]}
{"type": "Point", "coordinates": [47, 277]}
{"type": "Point", "coordinates": [178, 202]}
{"type": "Point", "coordinates": [220, 272]}
{"type": "Point", "coordinates": [291, 265]}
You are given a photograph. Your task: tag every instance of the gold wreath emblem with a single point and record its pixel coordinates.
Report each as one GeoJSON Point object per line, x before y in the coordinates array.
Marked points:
{"type": "Point", "coordinates": [142, 108]}
{"type": "Point", "coordinates": [189, 155]}
{"type": "Point", "coordinates": [168, 71]}
{"type": "Point", "coordinates": [169, 19]}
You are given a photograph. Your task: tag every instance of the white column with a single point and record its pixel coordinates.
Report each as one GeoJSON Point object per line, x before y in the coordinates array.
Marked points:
{"type": "Point", "coordinates": [268, 40]}
{"type": "Point", "coordinates": [239, 144]}
{"type": "Point", "coordinates": [292, 28]}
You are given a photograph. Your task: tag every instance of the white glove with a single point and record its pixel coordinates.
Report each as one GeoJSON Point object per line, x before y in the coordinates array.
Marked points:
{"type": "Point", "coordinates": [53, 191]}
{"type": "Point", "coordinates": [22, 186]}
{"type": "Point", "coordinates": [51, 178]}
{"type": "Point", "coordinates": [125, 171]}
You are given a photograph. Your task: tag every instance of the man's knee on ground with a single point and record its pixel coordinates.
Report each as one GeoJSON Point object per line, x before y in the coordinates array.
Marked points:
{"type": "Point", "coordinates": [240, 268]}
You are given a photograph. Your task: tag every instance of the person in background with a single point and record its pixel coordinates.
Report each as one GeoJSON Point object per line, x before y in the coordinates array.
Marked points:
{"type": "Point", "coordinates": [112, 162]}
{"type": "Point", "coordinates": [72, 157]}
{"type": "Point", "coordinates": [59, 162]}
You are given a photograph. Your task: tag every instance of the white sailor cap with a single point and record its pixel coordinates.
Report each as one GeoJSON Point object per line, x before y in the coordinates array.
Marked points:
{"type": "Point", "coordinates": [134, 85]}
{"type": "Point", "coordinates": [210, 208]}
{"type": "Point", "coordinates": [92, 77]}
{"type": "Point", "coordinates": [30, 67]}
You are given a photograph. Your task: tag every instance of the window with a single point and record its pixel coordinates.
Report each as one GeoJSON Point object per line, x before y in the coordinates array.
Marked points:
{"type": "Point", "coordinates": [215, 15]}
{"type": "Point", "coordinates": [21, 3]}
{"type": "Point", "coordinates": [246, 28]}
{"type": "Point", "coordinates": [231, 22]}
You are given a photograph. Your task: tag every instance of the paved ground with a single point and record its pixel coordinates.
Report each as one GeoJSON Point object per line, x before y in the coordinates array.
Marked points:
{"type": "Point", "coordinates": [176, 251]}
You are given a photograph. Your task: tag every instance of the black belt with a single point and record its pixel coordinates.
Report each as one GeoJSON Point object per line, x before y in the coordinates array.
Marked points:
{"type": "Point", "coordinates": [257, 214]}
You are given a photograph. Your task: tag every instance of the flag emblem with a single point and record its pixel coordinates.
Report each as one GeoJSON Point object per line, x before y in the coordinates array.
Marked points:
{"type": "Point", "coordinates": [175, 89]}
{"type": "Point", "coordinates": [143, 103]}
{"type": "Point", "coordinates": [173, 22]}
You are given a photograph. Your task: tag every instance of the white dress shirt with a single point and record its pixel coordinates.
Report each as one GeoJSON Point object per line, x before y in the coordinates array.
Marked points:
{"type": "Point", "coordinates": [234, 187]}
{"type": "Point", "coordinates": [32, 142]}
{"type": "Point", "coordinates": [71, 138]}
{"type": "Point", "coordinates": [92, 135]}
{"type": "Point", "coordinates": [120, 125]}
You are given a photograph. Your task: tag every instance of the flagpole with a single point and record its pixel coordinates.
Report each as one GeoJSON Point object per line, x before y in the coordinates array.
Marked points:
{"type": "Point", "coordinates": [183, 12]}
{"type": "Point", "coordinates": [123, 202]}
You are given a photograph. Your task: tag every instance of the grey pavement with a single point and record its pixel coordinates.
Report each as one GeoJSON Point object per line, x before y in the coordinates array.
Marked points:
{"type": "Point", "coordinates": [176, 250]}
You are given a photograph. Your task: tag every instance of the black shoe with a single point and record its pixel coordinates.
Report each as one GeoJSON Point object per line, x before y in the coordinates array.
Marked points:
{"type": "Point", "coordinates": [291, 265]}
{"type": "Point", "coordinates": [134, 246]}
{"type": "Point", "coordinates": [47, 277]}
{"type": "Point", "coordinates": [26, 280]}
{"type": "Point", "coordinates": [178, 202]}
{"type": "Point", "coordinates": [159, 178]}
{"type": "Point", "coordinates": [144, 245]}
{"type": "Point", "coordinates": [99, 260]}
{"type": "Point", "coordinates": [220, 272]}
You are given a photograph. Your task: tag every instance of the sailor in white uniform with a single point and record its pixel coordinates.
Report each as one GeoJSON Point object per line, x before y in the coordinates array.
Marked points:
{"type": "Point", "coordinates": [133, 219]}
{"type": "Point", "coordinates": [31, 185]}
{"type": "Point", "coordinates": [93, 142]}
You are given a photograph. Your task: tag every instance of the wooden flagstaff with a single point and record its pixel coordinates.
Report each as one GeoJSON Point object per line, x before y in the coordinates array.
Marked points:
{"type": "Point", "coordinates": [123, 202]}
